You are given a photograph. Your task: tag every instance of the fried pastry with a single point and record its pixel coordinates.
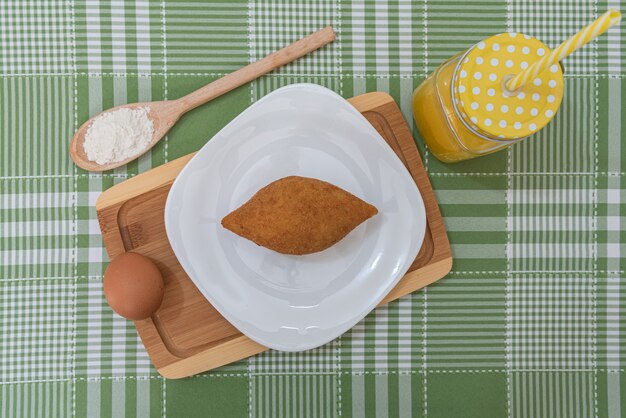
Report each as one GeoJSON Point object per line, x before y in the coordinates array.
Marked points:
{"type": "Point", "coordinates": [298, 215]}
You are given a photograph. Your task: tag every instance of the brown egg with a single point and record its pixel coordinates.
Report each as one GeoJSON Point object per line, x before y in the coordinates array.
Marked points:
{"type": "Point", "coordinates": [133, 286]}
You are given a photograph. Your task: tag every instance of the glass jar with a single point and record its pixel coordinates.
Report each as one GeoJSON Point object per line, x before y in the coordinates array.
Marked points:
{"type": "Point", "coordinates": [452, 129]}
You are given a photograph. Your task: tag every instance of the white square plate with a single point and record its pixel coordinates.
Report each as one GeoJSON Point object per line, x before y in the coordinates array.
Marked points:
{"type": "Point", "coordinates": [285, 302]}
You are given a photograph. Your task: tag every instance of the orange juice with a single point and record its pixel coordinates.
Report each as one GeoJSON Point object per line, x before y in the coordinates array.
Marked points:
{"type": "Point", "coordinates": [463, 110]}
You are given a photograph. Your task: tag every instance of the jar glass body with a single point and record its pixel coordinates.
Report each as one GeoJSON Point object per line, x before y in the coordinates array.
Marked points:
{"type": "Point", "coordinates": [440, 124]}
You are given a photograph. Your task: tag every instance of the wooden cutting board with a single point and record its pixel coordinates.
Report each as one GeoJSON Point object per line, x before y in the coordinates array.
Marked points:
{"type": "Point", "coordinates": [187, 335]}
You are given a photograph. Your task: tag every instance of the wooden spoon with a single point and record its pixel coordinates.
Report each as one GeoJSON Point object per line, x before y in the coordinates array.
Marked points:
{"type": "Point", "coordinates": [164, 114]}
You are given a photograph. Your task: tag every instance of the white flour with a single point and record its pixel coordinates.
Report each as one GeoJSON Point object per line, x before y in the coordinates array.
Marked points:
{"type": "Point", "coordinates": [118, 135]}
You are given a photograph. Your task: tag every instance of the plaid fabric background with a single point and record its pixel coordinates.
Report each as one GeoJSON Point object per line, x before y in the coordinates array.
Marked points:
{"type": "Point", "coordinates": [531, 321]}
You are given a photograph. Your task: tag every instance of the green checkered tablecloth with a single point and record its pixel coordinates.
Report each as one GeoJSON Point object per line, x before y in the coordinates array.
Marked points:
{"type": "Point", "coordinates": [531, 322]}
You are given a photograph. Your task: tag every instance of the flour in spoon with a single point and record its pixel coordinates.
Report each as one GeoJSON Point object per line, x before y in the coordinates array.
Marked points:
{"type": "Point", "coordinates": [117, 135]}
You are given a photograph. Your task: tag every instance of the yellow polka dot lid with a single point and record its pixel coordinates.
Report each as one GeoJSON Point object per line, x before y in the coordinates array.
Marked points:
{"type": "Point", "coordinates": [487, 106]}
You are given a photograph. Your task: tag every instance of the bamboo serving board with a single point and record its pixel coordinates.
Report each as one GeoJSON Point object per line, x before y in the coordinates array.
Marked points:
{"type": "Point", "coordinates": [187, 335]}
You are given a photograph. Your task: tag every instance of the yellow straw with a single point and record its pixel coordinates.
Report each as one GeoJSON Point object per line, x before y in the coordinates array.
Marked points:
{"type": "Point", "coordinates": [597, 28]}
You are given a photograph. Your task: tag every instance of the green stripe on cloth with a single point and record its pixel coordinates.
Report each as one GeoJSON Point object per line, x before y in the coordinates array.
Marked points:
{"type": "Point", "coordinates": [48, 399]}
{"type": "Point", "coordinates": [36, 333]}
{"type": "Point", "coordinates": [476, 246]}
{"type": "Point", "coordinates": [568, 144]}
{"type": "Point", "coordinates": [279, 395]}
{"type": "Point", "coordinates": [107, 345]}
{"type": "Point", "coordinates": [42, 51]}
{"type": "Point", "coordinates": [383, 37]}
{"type": "Point", "coordinates": [43, 246]}
{"type": "Point", "coordinates": [610, 333]}
{"type": "Point", "coordinates": [566, 247]}
{"type": "Point", "coordinates": [277, 24]}
{"type": "Point", "coordinates": [37, 109]}
{"type": "Point", "coordinates": [382, 395]}
{"type": "Point", "coordinates": [463, 394]}
{"type": "Point", "coordinates": [206, 39]}
{"type": "Point", "coordinates": [557, 395]}
{"type": "Point", "coordinates": [552, 322]}
{"type": "Point", "coordinates": [388, 338]}
{"type": "Point", "coordinates": [118, 398]}
{"type": "Point", "coordinates": [466, 323]}
{"type": "Point", "coordinates": [120, 37]}
{"type": "Point", "coordinates": [554, 22]}
{"type": "Point", "coordinates": [220, 396]}
{"type": "Point", "coordinates": [479, 20]}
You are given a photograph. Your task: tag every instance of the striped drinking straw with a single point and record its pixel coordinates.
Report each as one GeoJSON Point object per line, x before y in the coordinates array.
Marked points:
{"type": "Point", "coordinates": [597, 28]}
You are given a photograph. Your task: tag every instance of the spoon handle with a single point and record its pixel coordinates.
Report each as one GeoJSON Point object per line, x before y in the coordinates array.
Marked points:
{"type": "Point", "coordinates": [255, 70]}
